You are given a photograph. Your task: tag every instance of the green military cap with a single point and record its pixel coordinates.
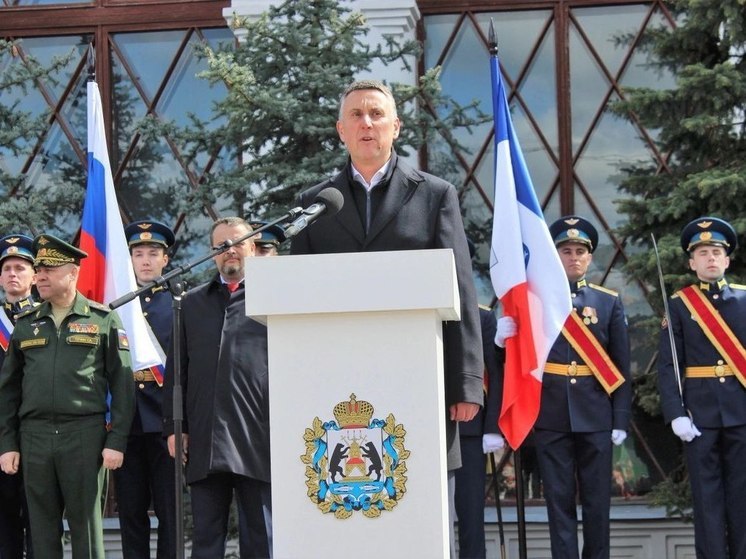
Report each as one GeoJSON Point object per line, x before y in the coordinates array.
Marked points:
{"type": "Point", "coordinates": [52, 252]}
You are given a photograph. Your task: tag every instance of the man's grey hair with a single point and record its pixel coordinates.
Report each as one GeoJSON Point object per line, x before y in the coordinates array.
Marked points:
{"type": "Point", "coordinates": [367, 84]}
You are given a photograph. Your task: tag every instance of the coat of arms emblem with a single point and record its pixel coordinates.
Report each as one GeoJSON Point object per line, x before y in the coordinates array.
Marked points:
{"type": "Point", "coordinates": [355, 462]}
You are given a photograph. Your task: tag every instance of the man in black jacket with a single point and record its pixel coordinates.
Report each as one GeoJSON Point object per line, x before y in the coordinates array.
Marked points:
{"type": "Point", "coordinates": [226, 408]}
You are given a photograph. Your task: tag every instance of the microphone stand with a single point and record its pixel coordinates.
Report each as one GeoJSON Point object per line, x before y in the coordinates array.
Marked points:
{"type": "Point", "coordinates": [177, 397]}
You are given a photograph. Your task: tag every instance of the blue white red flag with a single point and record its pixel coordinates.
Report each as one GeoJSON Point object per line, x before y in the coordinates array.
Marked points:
{"type": "Point", "coordinates": [527, 275]}
{"type": "Point", "coordinates": [6, 329]}
{"type": "Point", "coordinates": [107, 273]}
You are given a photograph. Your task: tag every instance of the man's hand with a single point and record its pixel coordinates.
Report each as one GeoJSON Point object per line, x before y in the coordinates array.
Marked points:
{"type": "Point", "coordinates": [113, 459]}
{"type": "Point", "coordinates": [463, 411]}
{"type": "Point", "coordinates": [9, 462]}
{"type": "Point", "coordinates": [618, 436]}
{"type": "Point", "coordinates": [684, 428]}
{"type": "Point", "coordinates": [492, 442]}
{"type": "Point", "coordinates": [171, 441]}
{"type": "Point", "coordinates": [506, 328]}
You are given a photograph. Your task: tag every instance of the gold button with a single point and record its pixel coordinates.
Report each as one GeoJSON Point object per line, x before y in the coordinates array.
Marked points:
{"type": "Point", "coordinates": [719, 371]}
{"type": "Point", "coordinates": [720, 362]}
{"type": "Point", "coordinates": [573, 380]}
{"type": "Point", "coordinates": [147, 299]}
{"type": "Point", "coordinates": [716, 296]}
{"type": "Point", "coordinates": [139, 376]}
{"type": "Point", "coordinates": [574, 295]}
{"type": "Point", "coordinates": [722, 379]}
{"type": "Point", "coordinates": [141, 386]}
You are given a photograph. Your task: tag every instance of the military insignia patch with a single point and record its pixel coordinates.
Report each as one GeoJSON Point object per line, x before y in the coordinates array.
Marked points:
{"type": "Point", "coordinates": [355, 462]}
{"type": "Point", "coordinates": [80, 328]}
{"type": "Point", "coordinates": [123, 341]}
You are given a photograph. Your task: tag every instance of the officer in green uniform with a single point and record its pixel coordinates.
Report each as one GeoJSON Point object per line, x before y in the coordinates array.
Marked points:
{"type": "Point", "coordinates": [63, 358]}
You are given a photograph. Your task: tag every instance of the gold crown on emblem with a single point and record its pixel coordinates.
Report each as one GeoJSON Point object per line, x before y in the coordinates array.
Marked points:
{"type": "Point", "coordinates": [704, 224]}
{"type": "Point", "coordinates": [353, 413]}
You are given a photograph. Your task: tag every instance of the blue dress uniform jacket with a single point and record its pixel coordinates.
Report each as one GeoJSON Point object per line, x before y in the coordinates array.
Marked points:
{"type": "Point", "coordinates": [157, 309]}
{"type": "Point", "coordinates": [715, 459]}
{"type": "Point", "coordinates": [573, 430]}
{"type": "Point", "coordinates": [584, 405]}
{"type": "Point", "coordinates": [409, 210]}
{"type": "Point", "coordinates": [225, 385]}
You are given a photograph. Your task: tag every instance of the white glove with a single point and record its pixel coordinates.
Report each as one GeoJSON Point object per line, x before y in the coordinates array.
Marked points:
{"type": "Point", "coordinates": [506, 328]}
{"type": "Point", "coordinates": [492, 442]}
{"type": "Point", "coordinates": [618, 436]}
{"type": "Point", "coordinates": [684, 428]}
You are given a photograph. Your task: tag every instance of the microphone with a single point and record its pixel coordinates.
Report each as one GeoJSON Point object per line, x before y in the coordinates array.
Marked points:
{"type": "Point", "coordinates": [327, 202]}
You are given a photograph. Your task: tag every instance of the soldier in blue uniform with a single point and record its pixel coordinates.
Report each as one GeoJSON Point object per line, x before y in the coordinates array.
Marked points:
{"type": "Point", "coordinates": [148, 471]}
{"type": "Point", "coordinates": [16, 278]}
{"type": "Point", "coordinates": [709, 330]}
{"type": "Point", "coordinates": [268, 242]}
{"type": "Point", "coordinates": [585, 404]}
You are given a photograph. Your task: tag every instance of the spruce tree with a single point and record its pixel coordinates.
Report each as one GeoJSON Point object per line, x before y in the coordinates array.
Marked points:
{"type": "Point", "coordinates": [24, 209]}
{"type": "Point", "coordinates": [277, 121]}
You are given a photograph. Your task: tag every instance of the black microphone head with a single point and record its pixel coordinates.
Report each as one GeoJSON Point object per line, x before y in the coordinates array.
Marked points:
{"type": "Point", "coordinates": [332, 199]}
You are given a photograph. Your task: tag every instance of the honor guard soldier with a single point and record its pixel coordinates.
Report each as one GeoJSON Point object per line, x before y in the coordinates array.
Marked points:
{"type": "Point", "coordinates": [63, 358]}
{"type": "Point", "coordinates": [586, 399]}
{"type": "Point", "coordinates": [16, 278]}
{"type": "Point", "coordinates": [147, 474]}
{"type": "Point", "coordinates": [706, 405]}
{"type": "Point", "coordinates": [268, 241]}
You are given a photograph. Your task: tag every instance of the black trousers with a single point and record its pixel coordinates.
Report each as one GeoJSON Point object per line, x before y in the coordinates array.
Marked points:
{"type": "Point", "coordinates": [146, 476]}
{"type": "Point", "coordinates": [717, 474]}
{"type": "Point", "coordinates": [470, 482]}
{"type": "Point", "coordinates": [211, 501]}
{"type": "Point", "coordinates": [11, 519]}
{"type": "Point", "coordinates": [563, 459]}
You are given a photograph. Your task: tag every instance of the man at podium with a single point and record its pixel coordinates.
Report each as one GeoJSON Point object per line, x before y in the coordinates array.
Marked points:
{"type": "Point", "coordinates": [388, 205]}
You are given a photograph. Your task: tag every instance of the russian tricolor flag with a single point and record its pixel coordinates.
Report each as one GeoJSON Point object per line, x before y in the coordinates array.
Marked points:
{"type": "Point", "coordinates": [527, 275]}
{"type": "Point", "coordinates": [107, 273]}
{"type": "Point", "coordinates": [6, 329]}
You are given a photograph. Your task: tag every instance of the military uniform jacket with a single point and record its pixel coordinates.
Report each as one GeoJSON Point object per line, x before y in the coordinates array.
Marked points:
{"type": "Point", "coordinates": [584, 406]}
{"type": "Point", "coordinates": [713, 404]}
{"type": "Point", "coordinates": [157, 308]}
{"type": "Point", "coordinates": [225, 385]}
{"type": "Point", "coordinates": [58, 380]}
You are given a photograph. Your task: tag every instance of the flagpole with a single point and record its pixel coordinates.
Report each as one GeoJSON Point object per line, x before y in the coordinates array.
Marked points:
{"type": "Point", "coordinates": [520, 497]}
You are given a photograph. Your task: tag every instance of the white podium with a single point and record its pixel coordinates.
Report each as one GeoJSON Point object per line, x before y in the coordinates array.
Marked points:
{"type": "Point", "coordinates": [357, 409]}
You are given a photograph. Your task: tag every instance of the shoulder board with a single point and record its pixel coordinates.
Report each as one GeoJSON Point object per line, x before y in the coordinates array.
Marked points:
{"type": "Point", "coordinates": [675, 295]}
{"type": "Point", "coordinates": [604, 289]}
{"type": "Point", "coordinates": [26, 312]}
{"type": "Point", "coordinates": [485, 307]}
{"type": "Point", "coordinates": [98, 306]}
{"type": "Point", "coordinates": [737, 286]}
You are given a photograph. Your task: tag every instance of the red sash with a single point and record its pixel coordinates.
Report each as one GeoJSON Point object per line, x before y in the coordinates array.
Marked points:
{"type": "Point", "coordinates": [585, 343]}
{"type": "Point", "coordinates": [716, 330]}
